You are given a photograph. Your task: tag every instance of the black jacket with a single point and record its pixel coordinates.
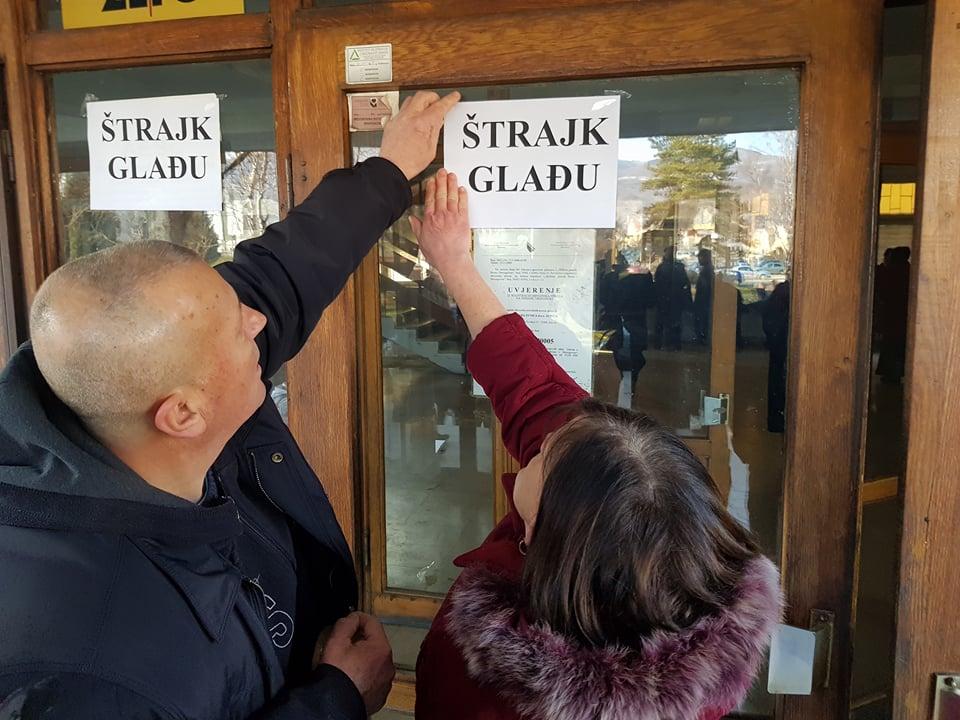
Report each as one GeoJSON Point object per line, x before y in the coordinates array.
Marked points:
{"type": "Point", "coordinates": [118, 600]}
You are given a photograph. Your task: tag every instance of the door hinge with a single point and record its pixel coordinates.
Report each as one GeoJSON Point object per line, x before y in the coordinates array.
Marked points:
{"type": "Point", "coordinates": [289, 166]}
{"type": "Point", "coordinates": [714, 410]}
{"type": "Point", "coordinates": [6, 149]}
{"type": "Point", "coordinates": [366, 549]}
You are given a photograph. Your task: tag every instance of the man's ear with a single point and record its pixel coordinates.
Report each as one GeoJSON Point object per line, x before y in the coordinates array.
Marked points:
{"type": "Point", "coordinates": [179, 416]}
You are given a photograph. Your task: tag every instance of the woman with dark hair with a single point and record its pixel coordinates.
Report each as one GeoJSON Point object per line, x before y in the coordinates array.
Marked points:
{"type": "Point", "coordinates": [618, 586]}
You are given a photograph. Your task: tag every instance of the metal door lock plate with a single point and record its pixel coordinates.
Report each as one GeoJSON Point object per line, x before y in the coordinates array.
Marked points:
{"type": "Point", "coordinates": [715, 409]}
{"type": "Point", "coordinates": [946, 704]}
{"type": "Point", "coordinates": [821, 625]}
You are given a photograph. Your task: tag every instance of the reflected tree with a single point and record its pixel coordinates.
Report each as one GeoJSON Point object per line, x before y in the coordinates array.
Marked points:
{"type": "Point", "coordinates": [250, 203]}
{"type": "Point", "coordinates": [85, 230]}
{"type": "Point", "coordinates": [194, 230]}
{"type": "Point", "coordinates": [690, 167]}
{"type": "Point", "coordinates": [249, 193]}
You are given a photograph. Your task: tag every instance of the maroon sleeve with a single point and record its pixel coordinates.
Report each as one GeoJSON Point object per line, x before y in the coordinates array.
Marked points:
{"type": "Point", "coordinates": [525, 384]}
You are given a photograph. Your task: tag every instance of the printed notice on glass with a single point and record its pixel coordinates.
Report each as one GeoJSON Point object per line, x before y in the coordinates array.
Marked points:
{"type": "Point", "coordinates": [547, 277]}
{"type": "Point", "coordinates": [536, 163]}
{"type": "Point", "coordinates": [159, 153]}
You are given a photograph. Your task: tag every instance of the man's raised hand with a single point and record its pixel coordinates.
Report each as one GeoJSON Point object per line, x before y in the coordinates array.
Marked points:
{"type": "Point", "coordinates": [410, 137]}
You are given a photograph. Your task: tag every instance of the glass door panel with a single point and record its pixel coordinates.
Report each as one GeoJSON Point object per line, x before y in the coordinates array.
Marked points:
{"type": "Point", "coordinates": [690, 301]}
{"type": "Point", "coordinates": [437, 491]}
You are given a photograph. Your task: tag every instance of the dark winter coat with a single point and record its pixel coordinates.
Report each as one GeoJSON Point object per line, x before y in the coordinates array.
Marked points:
{"type": "Point", "coordinates": [481, 660]}
{"type": "Point", "coordinates": [118, 600]}
{"type": "Point", "coordinates": [672, 286]}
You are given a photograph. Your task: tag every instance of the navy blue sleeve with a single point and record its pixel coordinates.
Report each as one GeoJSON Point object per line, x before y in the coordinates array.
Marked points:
{"type": "Point", "coordinates": [298, 266]}
{"type": "Point", "coordinates": [76, 696]}
{"type": "Point", "coordinates": [330, 695]}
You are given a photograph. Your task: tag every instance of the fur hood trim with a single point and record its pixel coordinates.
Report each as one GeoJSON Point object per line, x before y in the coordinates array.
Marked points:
{"type": "Point", "coordinates": [675, 675]}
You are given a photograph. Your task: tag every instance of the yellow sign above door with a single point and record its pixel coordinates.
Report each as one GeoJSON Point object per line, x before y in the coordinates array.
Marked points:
{"type": "Point", "coordinates": [94, 13]}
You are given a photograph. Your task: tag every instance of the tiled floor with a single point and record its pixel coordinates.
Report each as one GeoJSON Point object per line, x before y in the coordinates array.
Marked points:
{"type": "Point", "coordinates": [406, 635]}
{"type": "Point", "coordinates": [439, 476]}
{"type": "Point", "coordinates": [392, 715]}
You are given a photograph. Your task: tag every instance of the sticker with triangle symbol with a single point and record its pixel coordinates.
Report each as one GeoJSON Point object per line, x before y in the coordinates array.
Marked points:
{"type": "Point", "coordinates": [369, 64]}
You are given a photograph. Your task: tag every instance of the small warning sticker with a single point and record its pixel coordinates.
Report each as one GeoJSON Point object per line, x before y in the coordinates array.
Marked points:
{"type": "Point", "coordinates": [369, 64]}
{"type": "Point", "coordinates": [369, 111]}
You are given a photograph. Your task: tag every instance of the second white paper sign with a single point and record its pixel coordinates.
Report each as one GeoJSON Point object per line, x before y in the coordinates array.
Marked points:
{"type": "Point", "coordinates": [548, 163]}
{"type": "Point", "coordinates": [158, 153]}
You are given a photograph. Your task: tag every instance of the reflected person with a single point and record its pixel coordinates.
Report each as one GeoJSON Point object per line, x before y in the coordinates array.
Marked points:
{"type": "Point", "coordinates": [892, 298]}
{"type": "Point", "coordinates": [175, 556]}
{"type": "Point", "coordinates": [703, 298]}
{"type": "Point", "coordinates": [618, 586]}
{"type": "Point", "coordinates": [608, 317]}
{"type": "Point", "coordinates": [776, 327]}
{"type": "Point", "coordinates": [672, 288]}
{"type": "Point", "coordinates": [633, 295]}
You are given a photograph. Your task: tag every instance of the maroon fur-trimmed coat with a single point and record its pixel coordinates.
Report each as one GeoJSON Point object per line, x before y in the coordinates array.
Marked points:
{"type": "Point", "coordinates": [482, 661]}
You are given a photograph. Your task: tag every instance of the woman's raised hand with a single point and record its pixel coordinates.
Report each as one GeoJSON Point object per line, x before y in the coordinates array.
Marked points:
{"type": "Point", "coordinates": [444, 235]}
{"type": "Point", "coordinates": [444, 232]}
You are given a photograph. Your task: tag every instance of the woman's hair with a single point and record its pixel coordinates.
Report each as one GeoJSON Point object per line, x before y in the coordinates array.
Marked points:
{"type": "Point", "coordinates": [631, 535]}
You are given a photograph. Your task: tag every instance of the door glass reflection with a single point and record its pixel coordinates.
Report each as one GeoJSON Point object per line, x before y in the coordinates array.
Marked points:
{"type": "Point", "coordinates": [690, 319]}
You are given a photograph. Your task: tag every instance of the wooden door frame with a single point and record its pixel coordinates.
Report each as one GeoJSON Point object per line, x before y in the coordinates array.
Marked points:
{"type": "Point", "coordinates": [16, 21]}
{"type": "Point", "coordinates": [836, 47]}
{"type": "Point", "coordinates": [926, 633]}
{"type": "Point", "coordinates": [12, 316]}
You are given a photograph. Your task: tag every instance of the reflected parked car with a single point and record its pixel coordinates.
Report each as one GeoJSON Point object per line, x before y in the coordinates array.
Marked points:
{"type": "Point", "coordinates": [773, 267]}
{"type": "Point", "coordinates": [743, 272]}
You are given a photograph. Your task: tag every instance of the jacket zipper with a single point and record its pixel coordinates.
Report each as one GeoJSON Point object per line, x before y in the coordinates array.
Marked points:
{"type": "Point", "coordinates": [270, 541]}
{"type": "Point", "coordinates": [261, 602]}
{"type": "Point", "coordinates": [250, 525]}
{"type": "Point", "coordinates": [256, 475]}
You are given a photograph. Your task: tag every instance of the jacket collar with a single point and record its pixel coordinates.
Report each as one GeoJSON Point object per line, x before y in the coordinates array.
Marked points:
{"type": "Point", "coordinates": [54, 475]}
{"type": "Point", "coordinates": [205, 578]}
{"type": "Point", "coordinates": [680, 675]}
{"type": "Point", "coordinates": [45, 446]}
{"type": "Point", "coordinates": [184, 525]}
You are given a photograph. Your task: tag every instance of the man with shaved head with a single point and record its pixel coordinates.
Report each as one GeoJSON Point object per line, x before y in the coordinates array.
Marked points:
{"type": "Point", "coordinates": [166, 552]}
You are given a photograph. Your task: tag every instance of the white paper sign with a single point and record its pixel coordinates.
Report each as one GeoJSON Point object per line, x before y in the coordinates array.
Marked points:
{"type": "Point", "coordinates": [536, 163]}
{"type": "Point", "coordinates": [159, 153]}
{"type": "Point", "coordinates": [547, 277]}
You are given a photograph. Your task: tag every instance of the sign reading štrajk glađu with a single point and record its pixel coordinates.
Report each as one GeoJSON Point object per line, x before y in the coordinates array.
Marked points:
{"type": "Point", "coordinates": [158, 153]}
{"type": "Point", "coordinates": [548, 163]}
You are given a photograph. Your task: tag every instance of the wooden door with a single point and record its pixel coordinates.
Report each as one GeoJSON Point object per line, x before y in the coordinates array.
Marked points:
{"type": "Point", "coordinates": [926, 640]}
{"type": "Point", "coordinates": [10, 318]}
{"type": "Point", "coordinates": [723, 360]}
{"type": "Point", "coordinates": [821, 52]}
